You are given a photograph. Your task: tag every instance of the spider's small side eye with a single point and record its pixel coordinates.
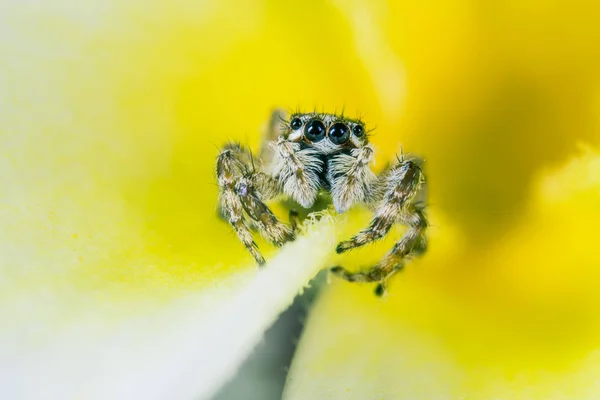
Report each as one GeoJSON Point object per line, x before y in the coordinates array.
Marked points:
{"type": "Point", "coordinates": [358, 130]}
{"type": "Point", "coordinates": [314, 130]}
{"type": "Point", "coordinates": [339, 133]}
{"type": "Point", "coordinates": [296, 123]}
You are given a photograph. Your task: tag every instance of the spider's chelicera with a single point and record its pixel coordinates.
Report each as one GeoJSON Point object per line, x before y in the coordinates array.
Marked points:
{"type": "Point", "coordinates": [314, 152]}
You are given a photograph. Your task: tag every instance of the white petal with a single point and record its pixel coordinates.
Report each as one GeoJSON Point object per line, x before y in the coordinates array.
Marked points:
{"type": "Point", "coordinates": [184, 350]}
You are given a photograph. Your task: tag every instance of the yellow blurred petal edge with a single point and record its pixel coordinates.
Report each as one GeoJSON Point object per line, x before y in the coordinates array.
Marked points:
{"type": "Point", "coordinates": [186, 350]}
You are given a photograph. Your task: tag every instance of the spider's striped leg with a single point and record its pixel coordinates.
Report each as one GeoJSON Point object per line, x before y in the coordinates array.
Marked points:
{"type": "Point", "coordinates": [230, 168]}
{"type": "Point", "coordinates": [262, 216]}
{"type": "Point", "coordinates": [400, 186]}
{"type": "Point", "coordinates": [242, 191]}
{"type": "Point", "coordinates": [414, 242]}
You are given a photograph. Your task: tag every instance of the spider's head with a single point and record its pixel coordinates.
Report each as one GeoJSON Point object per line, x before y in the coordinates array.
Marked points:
{"type": "Point", "coordinates": [327, 131]}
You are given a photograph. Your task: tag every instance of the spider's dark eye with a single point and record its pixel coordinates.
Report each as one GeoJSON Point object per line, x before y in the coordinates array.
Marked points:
{"type": "Point", "coordinates": [314, 130]}
{"type": "Point", "coordinates": [296, 123]}
{"type": "Point", "coordinates": [339, 133]}
{"type": "Point", "coordinates": [358, 130]}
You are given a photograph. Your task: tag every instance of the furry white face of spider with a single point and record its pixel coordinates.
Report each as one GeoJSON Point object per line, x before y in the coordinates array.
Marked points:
{"type": "Point", "coordinates": [324, 152]}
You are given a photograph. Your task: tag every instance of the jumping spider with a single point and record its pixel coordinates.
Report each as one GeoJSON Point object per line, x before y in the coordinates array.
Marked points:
{"type": "Point", "coordinates": [312, 152]}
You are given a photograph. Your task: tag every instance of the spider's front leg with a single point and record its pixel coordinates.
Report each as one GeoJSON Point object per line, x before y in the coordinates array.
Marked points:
{"type": "Point", "coordinates": [242, 192]}
{"type": "Point", "coordinates": [399, 186]}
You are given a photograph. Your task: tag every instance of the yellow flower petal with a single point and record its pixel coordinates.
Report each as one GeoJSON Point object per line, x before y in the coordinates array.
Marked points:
{"type": "Point", "coordinates": [518, 320]}
{"type": "Point", "coordinates": [185, 348]}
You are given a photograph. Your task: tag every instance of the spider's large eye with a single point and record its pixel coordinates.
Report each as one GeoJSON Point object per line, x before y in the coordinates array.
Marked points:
{"type": "Point", "coordinates": [358, 130]}
{"type": "Point", "coordinates": [296, 123]}
{"type": "Point", "coordinates": [315, 130]}
{"type": "Point", "coordinates": [339, 133]}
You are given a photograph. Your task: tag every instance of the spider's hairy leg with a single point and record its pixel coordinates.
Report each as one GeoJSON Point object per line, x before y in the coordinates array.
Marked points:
{"type": "Point", "coordinates": [414, 242]}
{"type": "Point", "coordinates": [375, 274]}
{"type": "Point", "coordinates": [261, 214]}
{"type": "Point", "coordinates": [400, 186]}
{"type": "Point", "coordinates": [241, 194]}
{"type": "Point", "coordinates": [229, 169]}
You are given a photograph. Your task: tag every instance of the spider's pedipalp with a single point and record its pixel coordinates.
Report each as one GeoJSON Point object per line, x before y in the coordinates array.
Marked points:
{"type": "Point", "coordinates": [298, 170]}
{"type": "Point", "coordinates": [352, 180]}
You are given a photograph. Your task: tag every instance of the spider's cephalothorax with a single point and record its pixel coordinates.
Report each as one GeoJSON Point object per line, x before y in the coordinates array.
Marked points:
{"type": "Point", "coordinates": [313, 152]}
